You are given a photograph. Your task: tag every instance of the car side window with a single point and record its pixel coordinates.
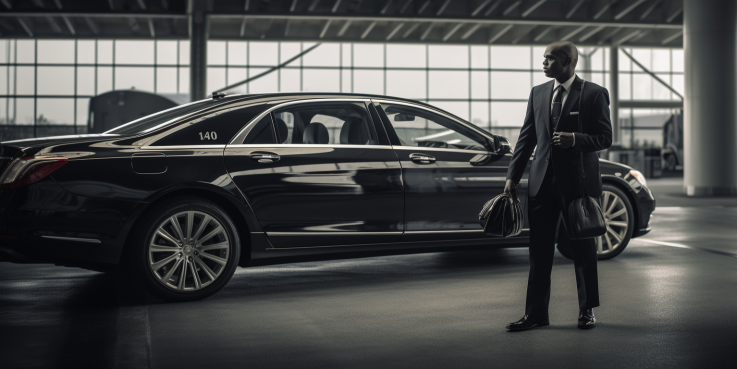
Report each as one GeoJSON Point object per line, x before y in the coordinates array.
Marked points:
{"type": "Point", "coordinates": [333, 123]}
{"type": "Point", "coordinates": [261, 133]}
{"type": "Point", "coordinates": [214, 128]}
{"type": "Point", "coordinates": [423, 128]}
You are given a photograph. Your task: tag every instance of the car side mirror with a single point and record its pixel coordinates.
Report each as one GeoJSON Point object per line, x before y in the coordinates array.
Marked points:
{"type": "Point", "coordinates": [500, 145]}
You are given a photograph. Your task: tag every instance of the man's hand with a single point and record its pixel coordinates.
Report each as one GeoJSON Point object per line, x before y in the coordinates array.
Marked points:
{"type": "Point", "coordinates": [563, 140]}
{"type": "Point", "coordinates": [510, 187]}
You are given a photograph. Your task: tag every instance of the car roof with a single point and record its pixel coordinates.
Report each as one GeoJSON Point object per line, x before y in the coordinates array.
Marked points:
{"type": "Point", "coordinates": [319, 95]}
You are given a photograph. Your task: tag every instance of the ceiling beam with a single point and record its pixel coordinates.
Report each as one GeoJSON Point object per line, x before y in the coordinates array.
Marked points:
{"type": "Point", "coordinates": [574, 32]}
{"type": "Point", "coordinates": [471, 31]}
{"type": "Point", "coordinates": [543, 33]}
{"type": "Point", "coordinates": [604, 9]}
{"type": "Point", "coordinates": [368, 30]}
{"type": "Point", "coordinates": [424, 6]}
{"type": "Point", "coordinates": [165, 4]}
{"type": "Point", "coordinates": [386, 7]}
{"type": "Point", "coordinates": [405, 6]}
{"type": "Point", "coordinates": [628, 9]}
{"type": "Point", "coordinates": [609, 35]}
{"type": "Point", "coordinates": [649, 9]}
{"type": "Point", "coordinates": [626, 37]}
{"type": "Point", "coordinates": [325, 28]}
{"type": "Point", "coordinates": [313, 5]}
{"type": "Point", "coordinates": [480, 7]}
{"type": "Point", "coordinates": [7, 4]}
{"type": "Point", "coordinates": [410, 30]}
{"type": "Point", "coordinates": [293, 7]}
{"type": "Point", "coordinates": [500, 33]}
{"type": "Point", "coordinates": [443, 7]}
{"type": "Point", "coordinates": [141, 4]}
{"type": "Point", "coordinates": [573, 9]}
{"type": "Point", "coordinates": [25, 27]}
{"type": "Point", "coordinates": [54, 26]}
{"type": "Point", "coordinates": [427, 31]}
{"type": "Point", "coordinates": [344, 28]}
{"type": "Point", "coordinates": [151, 28]}
{"type": "Point", "coordinates": [521, 36]}
{"type": "Point", "coordinates": [532, 8]}
{"type": "Point", "coordinates": [92, 25]}
{"type": "Point", "coordinates": [668, 39]}
{"type": "Point", "coordinates": [335, 6]}
{"type": "Point", "coordinates": [243, 28]}
{"type": "Point", "coordinates": [511, 7]}
{"type": "Point", "coordinates": [372, 18]}
{"type": "Point", "coordinates": [394, 31]}
{"type": "Point", "coordinates": [133, 24]}
{"type": "Point", "coordinates": [591, 33]}
{"type": "Point", "coordinates": [66, 19]}
{"type": "Point", "coordinates": [492, 7]}
{"type": "Point", "coordinates": [452, 31]}
{"type": "Point", "coordinates": [287, 26]}
{"type": "Point", "coordinates": [674, 14]}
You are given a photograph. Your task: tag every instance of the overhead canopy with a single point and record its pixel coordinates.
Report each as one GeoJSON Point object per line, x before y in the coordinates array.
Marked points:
{"type": "Point", "coordinates": [586, 22]}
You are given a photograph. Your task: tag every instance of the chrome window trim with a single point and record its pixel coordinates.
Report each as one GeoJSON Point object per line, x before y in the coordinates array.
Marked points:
{"type": "Point", "coordinates": [179, 147]}
{"type": "Point", "coordinates": [88, 240]}
{"type": "Point", "coordinates": [241, 135]}
{"type": "Point", "coordinates": [420, 148]}
{"type": "Point", "coordinates": [439, 112]}
{"type": "Point", "coordinates": [335, 146]}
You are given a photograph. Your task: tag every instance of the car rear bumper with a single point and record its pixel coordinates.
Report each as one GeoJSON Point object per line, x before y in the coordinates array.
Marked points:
{"type": "Point", "coordinates": [43, 223]}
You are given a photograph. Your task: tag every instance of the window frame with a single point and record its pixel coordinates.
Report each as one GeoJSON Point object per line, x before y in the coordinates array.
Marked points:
{"type": "Point", "coordinates": [240, 137]}
{"type": "Point", "coordinates": [488, 140]}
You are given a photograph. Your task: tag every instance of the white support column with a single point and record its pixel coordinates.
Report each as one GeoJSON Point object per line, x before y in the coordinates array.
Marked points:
{"type": "Point", "coordinates": [710, 126]}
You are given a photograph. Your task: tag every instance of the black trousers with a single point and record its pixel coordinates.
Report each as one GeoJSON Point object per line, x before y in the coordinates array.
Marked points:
{"type": "Point", "coordinates": [544, 210]}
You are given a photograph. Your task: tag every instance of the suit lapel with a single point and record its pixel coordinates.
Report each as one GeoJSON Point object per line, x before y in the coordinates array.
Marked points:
{"type": "Point", "coordinates": [572, 99]}
{"type": "Point", "coordinates": [547, 100]}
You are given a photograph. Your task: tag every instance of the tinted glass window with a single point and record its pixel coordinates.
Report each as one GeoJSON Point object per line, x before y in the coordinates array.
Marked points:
{"type": "Point", "coordinates": [261, 133]}
{"type": "Point", "coordinates": [420, 127]}
{"type": "Point", "coordinates": [212, 130]}
{"type": "Point", "coordinates": [336, 123]}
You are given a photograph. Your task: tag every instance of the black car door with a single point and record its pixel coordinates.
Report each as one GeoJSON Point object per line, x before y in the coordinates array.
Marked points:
{"type": "Point", "coordinates": [448, 169]}
{"type": "Point", "coordinates": [326, 180]}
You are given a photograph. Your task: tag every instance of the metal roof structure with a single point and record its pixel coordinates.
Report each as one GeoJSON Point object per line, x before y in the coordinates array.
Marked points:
{"type": "Point", "coordinates": [648, 23]}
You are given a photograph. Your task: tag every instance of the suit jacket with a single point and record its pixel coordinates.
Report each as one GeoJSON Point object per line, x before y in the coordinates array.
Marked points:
{"type": "Point", "coordinates": [596, 135]}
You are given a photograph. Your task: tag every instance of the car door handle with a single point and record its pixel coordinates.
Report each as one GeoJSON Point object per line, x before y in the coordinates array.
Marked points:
{"type": "Point", "coordinates": [264, 157]}
{"type": "Point", "coordinates": [422, 158]}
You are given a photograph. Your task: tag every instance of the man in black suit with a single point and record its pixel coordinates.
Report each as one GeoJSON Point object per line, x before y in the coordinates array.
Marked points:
{"type": "Point", "coordinates": [551, 125]}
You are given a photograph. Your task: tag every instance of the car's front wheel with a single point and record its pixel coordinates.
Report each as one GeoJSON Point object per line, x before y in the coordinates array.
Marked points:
{"type": "Point", "coordinates": [185, 249]}
{"type": "Point", "coordinates": [620, 220]}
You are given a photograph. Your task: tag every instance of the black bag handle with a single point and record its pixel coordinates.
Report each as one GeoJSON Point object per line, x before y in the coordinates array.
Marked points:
{"type": "Point", "coordinates": [580, 130]}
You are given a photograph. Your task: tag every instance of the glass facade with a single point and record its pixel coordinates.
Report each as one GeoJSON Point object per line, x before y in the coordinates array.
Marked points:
{"type": "Point", "coordinates": [48, 83]}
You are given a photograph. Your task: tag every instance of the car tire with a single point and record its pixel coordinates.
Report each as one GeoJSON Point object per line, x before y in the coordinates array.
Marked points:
{"type": "Point", "coordinates": [188, 263]}
{"type": "Point", "coordinates": [622, 224]}
{"type": "Point", "coordinates": [670, 162]}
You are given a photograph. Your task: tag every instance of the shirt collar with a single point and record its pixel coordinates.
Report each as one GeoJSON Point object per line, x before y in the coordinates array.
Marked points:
{"type": "Point", "coordinates": [567, 84]}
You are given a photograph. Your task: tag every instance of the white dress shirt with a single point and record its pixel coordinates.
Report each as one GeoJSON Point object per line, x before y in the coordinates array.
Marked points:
{"type": "Point", "coordinates": [567, 85]}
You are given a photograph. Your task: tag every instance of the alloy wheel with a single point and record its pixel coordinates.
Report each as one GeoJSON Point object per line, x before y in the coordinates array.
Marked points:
{"type": "Point", "coordinates": [617, 223]}
{"type": "Point", "coordinates": [188, 251]}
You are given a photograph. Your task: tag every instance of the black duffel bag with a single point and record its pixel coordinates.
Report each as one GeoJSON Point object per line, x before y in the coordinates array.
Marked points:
{"type": "Point", "coordinates": [502, 216]}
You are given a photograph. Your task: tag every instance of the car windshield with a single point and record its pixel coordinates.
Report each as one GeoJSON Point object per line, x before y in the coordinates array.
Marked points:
{"type": "Point", "coordinates": [155, 120]}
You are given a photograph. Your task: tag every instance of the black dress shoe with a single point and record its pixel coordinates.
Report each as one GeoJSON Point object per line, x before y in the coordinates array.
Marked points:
{"type": "Point", "coordinates": [586, 319]}
{"type": "Point", "coordinates": [527, 323]}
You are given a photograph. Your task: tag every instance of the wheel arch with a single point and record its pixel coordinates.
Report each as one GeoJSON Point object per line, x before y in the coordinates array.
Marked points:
{"type": "Point", "coordinates": [625, 187]}
{"type": "Point", "coordinates": [241, 215]}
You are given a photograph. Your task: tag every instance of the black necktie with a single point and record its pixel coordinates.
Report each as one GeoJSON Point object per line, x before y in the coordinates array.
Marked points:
{"type": "Point", "coordinates": [557, 106]}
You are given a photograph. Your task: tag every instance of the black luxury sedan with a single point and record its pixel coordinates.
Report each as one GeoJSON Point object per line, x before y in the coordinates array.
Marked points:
{"type": "Point", "coordinates": [182, 197]}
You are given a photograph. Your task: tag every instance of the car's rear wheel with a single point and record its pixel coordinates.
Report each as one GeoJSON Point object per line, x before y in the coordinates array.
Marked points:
{"type": "Point", "coordinates": [186, 249]}
{"type": "Point", "coordinates": [620, 220]}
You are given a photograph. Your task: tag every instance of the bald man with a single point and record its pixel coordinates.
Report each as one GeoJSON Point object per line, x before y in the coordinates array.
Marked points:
{"type": "Point", "coordinates": [551, 125]}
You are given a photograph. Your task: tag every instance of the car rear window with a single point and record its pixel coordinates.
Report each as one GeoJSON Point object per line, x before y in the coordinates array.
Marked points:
{"type": "Point", "coordinates": [152, 121]}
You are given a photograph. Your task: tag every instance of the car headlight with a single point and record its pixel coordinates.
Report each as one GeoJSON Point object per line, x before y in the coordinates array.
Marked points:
{"type": "Point", "coordinates": [639, 177]}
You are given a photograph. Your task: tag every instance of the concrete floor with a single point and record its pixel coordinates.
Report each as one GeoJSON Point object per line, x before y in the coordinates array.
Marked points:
{"type": "Point", "coordinates": [668, 301]}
